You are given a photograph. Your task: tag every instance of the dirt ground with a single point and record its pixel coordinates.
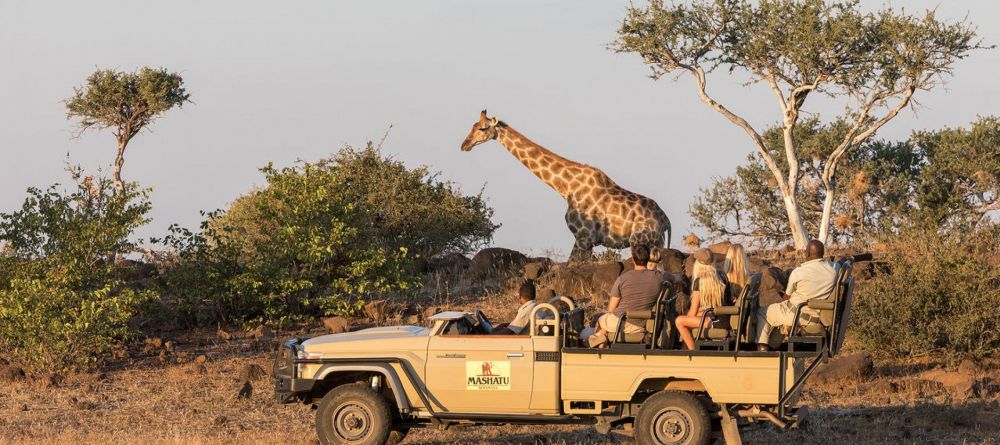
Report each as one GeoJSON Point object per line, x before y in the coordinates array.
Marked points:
{"type": "Point", "coordinates": [149, 400]}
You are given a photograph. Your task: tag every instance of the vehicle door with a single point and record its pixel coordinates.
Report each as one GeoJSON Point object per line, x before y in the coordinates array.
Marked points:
{"type": "Point", "coordinates": [480, 373]}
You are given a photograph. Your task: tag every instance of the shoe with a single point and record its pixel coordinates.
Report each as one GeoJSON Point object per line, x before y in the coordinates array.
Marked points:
{"type": "Point", "coordinates": [763, 348]}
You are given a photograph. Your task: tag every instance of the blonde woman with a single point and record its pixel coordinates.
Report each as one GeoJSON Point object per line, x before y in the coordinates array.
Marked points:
{"type": "Point", "coordinates": [737, 269]}
{"type": "Point", "coordinates": [708, 290]}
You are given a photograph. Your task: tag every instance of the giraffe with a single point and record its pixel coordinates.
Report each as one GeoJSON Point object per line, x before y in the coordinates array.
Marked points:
{"type": "Point", "coordinates": [600, 213]}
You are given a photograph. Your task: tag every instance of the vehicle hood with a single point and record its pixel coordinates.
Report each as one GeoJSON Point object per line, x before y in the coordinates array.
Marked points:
{"type": "Point", "coordinates": [369, 340]}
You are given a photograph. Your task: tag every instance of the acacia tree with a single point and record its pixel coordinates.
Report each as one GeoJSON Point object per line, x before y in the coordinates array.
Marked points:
{"type": "Point", "coordinates": [875, 62]}
{"type": "Point", "coordinates": [125, 102]}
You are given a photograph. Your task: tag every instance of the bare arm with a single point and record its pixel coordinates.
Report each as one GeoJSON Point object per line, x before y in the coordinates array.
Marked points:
{"type": "Point", "coordinates": [695, 303]}
{"type": "Point", "coordinates": [613, 303]}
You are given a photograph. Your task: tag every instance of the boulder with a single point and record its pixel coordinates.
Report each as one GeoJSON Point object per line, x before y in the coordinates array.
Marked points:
{"type": "Point", "coordinates": [672, 260]}
{"type": "Point", "coordinates": [498, 261]}
{"type": "Point", "coordinates": [411, 320]}
{"type": "Point", "coordinates": [336, 325]}
{"type": "Point", "coordinates": [720, 249]}
{"type": "Point", "coordinates": [772, 283]}
{"type": "Point", "coordinates": [593, 279]}
{"type": "Point", "coordinates": [10, 374]}
{"type": "Point", "coordinates": [845, 367]}
{"type": "Point", "coordinates": [262, 333]}
{"type": "Point", "coordinates": [225, 336]}
{"type": "Point", "coordinates": [450, 262]}
{"type": "Point", "coordinates": [253, 371]}
{"type": "Point", "coordinates": [534, 270]}
{"type": "Point", "coordinates": [201, 359]}
{"type": "Point", "coordinates": [962, 386]}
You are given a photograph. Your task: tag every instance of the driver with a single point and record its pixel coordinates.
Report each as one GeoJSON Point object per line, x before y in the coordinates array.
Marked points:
{"type": "Point", "coordinates": [526, 295]}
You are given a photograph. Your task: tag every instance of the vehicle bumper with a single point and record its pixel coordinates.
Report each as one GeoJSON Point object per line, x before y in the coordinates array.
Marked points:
{"type": "Point", "coordinates": [288, 387]}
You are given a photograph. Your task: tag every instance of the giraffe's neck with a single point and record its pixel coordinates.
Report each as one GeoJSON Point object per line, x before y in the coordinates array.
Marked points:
{"type": "Point", "coordinates": [542, 162]}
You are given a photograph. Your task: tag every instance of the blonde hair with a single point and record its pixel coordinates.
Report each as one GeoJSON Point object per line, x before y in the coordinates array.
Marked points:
{"type": "Point", "coordinates": [710, 286]}
{"type": "Point", "coordinates": [736, 266]}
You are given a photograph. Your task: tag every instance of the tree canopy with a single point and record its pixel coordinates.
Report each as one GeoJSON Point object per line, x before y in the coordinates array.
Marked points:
{"type": "Point", "coordinates": [125, 102]}
{"type": "Point", "coordinates": [875, 62]}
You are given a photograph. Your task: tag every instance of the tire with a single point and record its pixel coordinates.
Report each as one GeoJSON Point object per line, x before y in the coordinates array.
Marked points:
{"type": "Point", "coordinates": [672, 418]}
{"type": "Point", "coordinates": [396, 436]}
{"type": "Point", "coordinates": [353, 415]}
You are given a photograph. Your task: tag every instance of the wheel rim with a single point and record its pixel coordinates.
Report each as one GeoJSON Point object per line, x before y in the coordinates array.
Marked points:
{"type": "Point", "coordinates": [671, 426]}
{"type": "Point", "coordinates": [352, 422]}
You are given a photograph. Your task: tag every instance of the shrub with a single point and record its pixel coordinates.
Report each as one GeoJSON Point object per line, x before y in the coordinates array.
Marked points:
{"type": "Point", "coordinates": [61, 305]}
{"type": "Point", "coordinates": [319, 238]}
{"type": "Point", "coordinates": [941, 298]}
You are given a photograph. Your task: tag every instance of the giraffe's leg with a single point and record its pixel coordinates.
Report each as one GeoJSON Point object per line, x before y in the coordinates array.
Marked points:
{"type": "Point", "coordinates": [582, 249]}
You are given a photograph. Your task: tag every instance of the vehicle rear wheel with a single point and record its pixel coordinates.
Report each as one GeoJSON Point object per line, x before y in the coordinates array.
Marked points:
{"type": "Point", "coordinates": [353, 415]}
{"type": "Point", "coordinates": [672, 418]}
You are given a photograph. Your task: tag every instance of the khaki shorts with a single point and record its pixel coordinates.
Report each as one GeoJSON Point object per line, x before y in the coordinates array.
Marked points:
{"type": "Point", "coordinates": [609, 322]}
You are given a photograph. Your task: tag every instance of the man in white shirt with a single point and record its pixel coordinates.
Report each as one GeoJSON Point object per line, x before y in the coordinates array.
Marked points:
{"type": "Point", "coordinates": [519, 325]}
{"type": "Point", "coordinates": [812, 279]}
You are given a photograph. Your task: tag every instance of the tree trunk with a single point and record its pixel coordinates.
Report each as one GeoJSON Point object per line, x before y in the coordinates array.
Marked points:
{"type": "Point", "coordinates": [824, 224]}
{"type": "Point", "coordinates": [795, 224]}
{"type": "Point", "coordinates": [119, 162]}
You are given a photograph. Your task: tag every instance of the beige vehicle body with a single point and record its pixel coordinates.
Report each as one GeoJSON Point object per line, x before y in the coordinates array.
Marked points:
{"type": "Point", "coordinates": [451, 373]}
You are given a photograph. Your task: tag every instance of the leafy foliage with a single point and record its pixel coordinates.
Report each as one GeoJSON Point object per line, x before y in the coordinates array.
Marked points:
{"type": "Point", "coordinates": [940, 297]}
{"type": "Point", "coordinates": [319, 238]}
{"type": "Point", "coordinates": [938, 179]}
{"type": "Point", "coordinates": [61, 303]}
{"type": "Point", "coordinates": [875, 61]}
{"type": "Point", "coordinates": [125, 102]}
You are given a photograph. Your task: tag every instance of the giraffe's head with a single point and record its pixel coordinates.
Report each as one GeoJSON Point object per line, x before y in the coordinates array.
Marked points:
{"type": "Point", "coordinates": [483, 130]}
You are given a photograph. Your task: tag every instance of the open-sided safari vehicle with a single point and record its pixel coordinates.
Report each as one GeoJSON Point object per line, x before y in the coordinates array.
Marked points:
{"type": "Point", "coordinates": [374, 385]}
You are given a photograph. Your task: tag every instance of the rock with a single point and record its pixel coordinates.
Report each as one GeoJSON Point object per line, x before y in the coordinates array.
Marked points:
{"type": "Point", "coordinates": [544, 294]}
{"type": "Point", "coordinates": [845, 367]}
{"type": "Point", "coordinates": [224, 335]}
{"type": "Point", "coordinates": [246, 391]}
{"type": "Point", "coordinates": [772, 283]}
{"type": "Point", "coordinates": [534, 271]}
{"type": "Point", "coordinates": [169, 346]}
{"type": "Point", "coordinates": [336, 325]}
{"type": "Point", "coordinates": [262, 333]}
{"type": "Point", "coordinates": [593, 279]}
{"type": "Point", "coordinates": [377, 310]}
{"type": "Point", "coordinates": [154, 342]}
{"type": "Point", "coordinates": [201, 359]}
{"type": "Point", "coordinates": [412, 320]}
{"type": "Point", "coordinates": [10, 374]}
{"type": "Point", "coordinates": [498, 261]}
{"type": "Point", "coordinates": [672, 260]}
{"type": "Point", "coordinates": [719, 249]}
{"type": "Point", "coordinates": [452, 262]}
{"type": "Point", "coordinates": [969, 367]}
{"type": "Point", "coordinates": [961, 386]}
{"type": "Point", "coordinates": [253, 371]}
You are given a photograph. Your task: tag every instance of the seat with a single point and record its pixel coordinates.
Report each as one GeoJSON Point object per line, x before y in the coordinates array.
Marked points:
{"type": "Point", "coordinates": [738, 320]}
{"type": "Point", "coordinates": [653, 320]}
{"type": "Point", "coordinates": [573, 325]}
{"type": "Point", "coordinates": [832, 311]}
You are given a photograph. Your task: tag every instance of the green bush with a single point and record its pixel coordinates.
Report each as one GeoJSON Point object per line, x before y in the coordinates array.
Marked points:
{"type": "Point", "coordinates": [319, 239]}
{"type": "Point", "coordinates": [941, 297]}
{"type": "Point", "coordinates": [61, 304]}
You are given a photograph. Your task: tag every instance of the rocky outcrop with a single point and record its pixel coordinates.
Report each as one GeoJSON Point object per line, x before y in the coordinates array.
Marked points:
{"type": "Point", "coordinates": [845, 367]}
{"type": "Point", "coordinates": [498, 261]}
{"type": "Point", "coordinates": [593, 279]}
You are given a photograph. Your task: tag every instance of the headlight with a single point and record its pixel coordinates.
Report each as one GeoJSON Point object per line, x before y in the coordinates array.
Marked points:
{"type": "Point", "coordinates": [309, 355]}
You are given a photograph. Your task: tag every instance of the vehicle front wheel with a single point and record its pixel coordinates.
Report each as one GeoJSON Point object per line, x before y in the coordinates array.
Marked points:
{"type": "Point", "coordinates": [353, 415]}
{"type": "Point", "coordinates": [672, 418]}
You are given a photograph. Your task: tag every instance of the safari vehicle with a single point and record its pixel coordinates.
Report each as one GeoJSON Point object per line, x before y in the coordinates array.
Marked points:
{"type": "Point", "coordinates": [374, 385]}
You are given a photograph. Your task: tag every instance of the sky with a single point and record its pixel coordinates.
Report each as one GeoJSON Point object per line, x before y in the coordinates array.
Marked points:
{"type": "Point", "coordinates": [281, 81]}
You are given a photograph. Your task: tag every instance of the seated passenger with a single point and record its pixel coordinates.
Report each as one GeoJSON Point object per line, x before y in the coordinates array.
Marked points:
{"type": "Point", "coordinates": [708, 290]}
{"type": "Point", "coordinates": [737, 270]}
{"type": "Point", "coordinates": [636, 289]}
{"type": "Point", "coordinates": [517, 326]}
{"type": "Point", "coordinates": [812, 279]}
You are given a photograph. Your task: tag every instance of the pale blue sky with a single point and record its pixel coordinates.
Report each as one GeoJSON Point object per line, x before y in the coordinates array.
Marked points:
{"type": "Point", "coordinates": [277, 81]}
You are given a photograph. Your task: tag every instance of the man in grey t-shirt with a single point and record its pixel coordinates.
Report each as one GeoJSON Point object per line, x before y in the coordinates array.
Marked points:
{"type": "Point", "coordinates": [636, 289]}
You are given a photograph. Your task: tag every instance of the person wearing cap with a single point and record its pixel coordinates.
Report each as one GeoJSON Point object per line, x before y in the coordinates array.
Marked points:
{"type": "Point", "coordinates": [812, 279]}
{"type": "Point", "coordinates": [636, 289]}
{"type": "Point", "coordinates": [708, 290]}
